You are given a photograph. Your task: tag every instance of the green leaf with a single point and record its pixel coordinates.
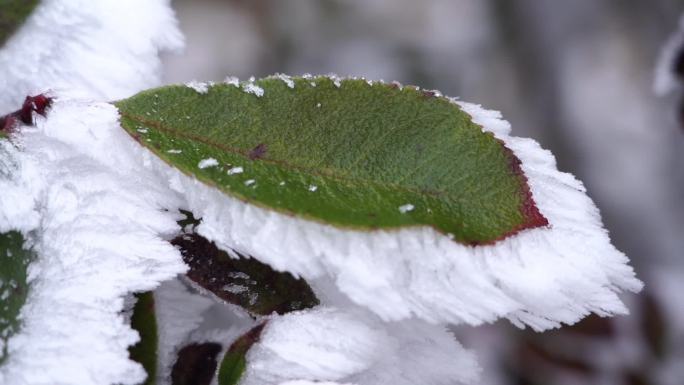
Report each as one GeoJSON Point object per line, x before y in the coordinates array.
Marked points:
{"type": "Point", "coordinates": [356, 156]}
{"type": "Point", "coordinates": [144, 321]}
{"type": "Point", "coordinates": [234, 362]}
{"type": "Point", "coordinates": [196, 364]}
{"type": "Point", "coordinates": [14, 261]}
{"type": "Point", "coordinates": [245, 282]}
{"type": "Point", "coordinates": [12, 16]}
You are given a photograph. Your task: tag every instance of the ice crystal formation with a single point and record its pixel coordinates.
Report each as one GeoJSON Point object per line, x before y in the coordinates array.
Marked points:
{"type": "Point", "coordinates": [291, 230]}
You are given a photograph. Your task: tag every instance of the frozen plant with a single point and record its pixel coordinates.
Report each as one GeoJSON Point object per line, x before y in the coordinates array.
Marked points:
{"type": "Point", "coordinates": [285, 230]}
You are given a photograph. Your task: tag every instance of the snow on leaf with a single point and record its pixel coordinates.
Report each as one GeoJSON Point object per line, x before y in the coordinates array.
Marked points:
{"type": "Point", "coordinates": [475, 248]}
{"type": "Point", "coordinates": [232, 80]}
{"type": "Point", "coordinates": [252, 88]}
{"type": "Point", "coordinates": [206, 163]}
{"type": "Point", "coordinates": [101, 235]}
{"type": "Point", "coordinates": [358, 157]}
{"type": "Point", "coordinates": [406, 208]}
{"type": "Point", "coordinates": [328, 344]}
{"type": "Point", "coordinates": [285, 78]}
{"type": "Point", "coordinates": [235, 170]}
{"type": "Point", "coordinates": [112, 62]}
{"type": "Point", "coordinates": [200, 87]}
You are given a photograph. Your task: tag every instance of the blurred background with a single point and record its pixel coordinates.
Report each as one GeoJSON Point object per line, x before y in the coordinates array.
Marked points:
{"type": "Point", "coordinates": [577, 76]}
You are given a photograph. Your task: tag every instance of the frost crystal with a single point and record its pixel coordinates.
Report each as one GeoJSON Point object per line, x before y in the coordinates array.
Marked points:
{"type": "Point", "coordinates": [540, 277]}
{"type": "Point", "coordinates": [252, 88]}
{"type": "Point", "coordinates": [206, 163]}
{"type": "Point", "coordinates": [79, 47]}
{"type": "Point", "coordinates": [235, 170]}
{"type": "Point", "coordinates": [331, 344]}
{"type": "Point", "coordinates": [406, 208]}
{"type": "Point", "coordinates": [232, 80]}
{"type": "Point", "coordinates": [200, 87]}
{"type": "Point", "coordinates": [288, 80]}
{"type": "Point", "coordinates": [102, 235]}
{"type": "Point", "coordinates": [108, 205]}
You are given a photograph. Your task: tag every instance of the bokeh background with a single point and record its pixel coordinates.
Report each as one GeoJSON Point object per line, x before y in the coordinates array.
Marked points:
{"type": "Point", "coordinates": [575, 75]}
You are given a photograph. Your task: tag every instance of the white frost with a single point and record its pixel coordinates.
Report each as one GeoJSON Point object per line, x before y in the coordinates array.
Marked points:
{"type": "Point", "coordinates": [102, 234]}
{"type": "Point", "coordinates": [252, 88]}
{"type": "Point", "coordinates": [328, 344]}
{"type": "Point", "coordinates": [80, 47]}
{"type": "Point", "coordinates": [312, 188]}
{"type": "Point", "coordinates": [285, 78]}
{"type": "Point", "coordinates": [200, 87]}
{"type": "Point", "coordinates": [235, 170]}
{"type": "Point", "coordinates": [540, 277]}
{"type": "Point", "coordinates": [232, 80]}
{"type": "Point", "coordinates": [406, 208]}
{"type": "Point", "coordinates": [384, 293]}
{"type": "Point", "coordinates": [206, 163]}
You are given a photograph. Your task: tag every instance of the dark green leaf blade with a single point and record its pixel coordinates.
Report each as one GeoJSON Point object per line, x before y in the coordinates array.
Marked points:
{"type": "Point", "coordinates": [14, 261]}
{"type": "Point", "coordinates": [144, 321]}
{"type": "Point", "coordinates": [361, 156]}
{"type": "Point", "coordinates": [234, 362]}
{"type": "Point", "coordinates": [12, 16]}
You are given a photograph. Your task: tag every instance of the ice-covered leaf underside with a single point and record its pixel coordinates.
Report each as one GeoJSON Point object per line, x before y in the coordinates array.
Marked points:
{"type": "Point", "coordinates": [358, 155]}
{"type": "Point", "coordinates": [12, 16]}
{"type": "Point", "coordinates": [14, 261]}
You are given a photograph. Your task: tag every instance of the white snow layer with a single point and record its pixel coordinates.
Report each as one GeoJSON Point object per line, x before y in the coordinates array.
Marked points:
{"type": "Point", "coordinates": [105, 49]}
{"type": "Point", "coordinates": [101, 199]}
{"type": "Point", "coordinates": [329, 344]}
{"type": "Point", "coordinates": [539, 277]}
{"type": "Point", "coordinates": [101, 235]}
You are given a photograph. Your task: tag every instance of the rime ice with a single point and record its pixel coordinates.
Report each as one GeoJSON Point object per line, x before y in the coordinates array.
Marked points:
{"type": "Point", "coordinates": [387, 295]}
{"type": "Point", "coordinates": [200, 87]}
{"type": "Point", "coordinates": [406, 208]}
{"type": "Point", "coordinates": [235, 170]}
{"type": "Point", "coordinates": [206, 163]}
